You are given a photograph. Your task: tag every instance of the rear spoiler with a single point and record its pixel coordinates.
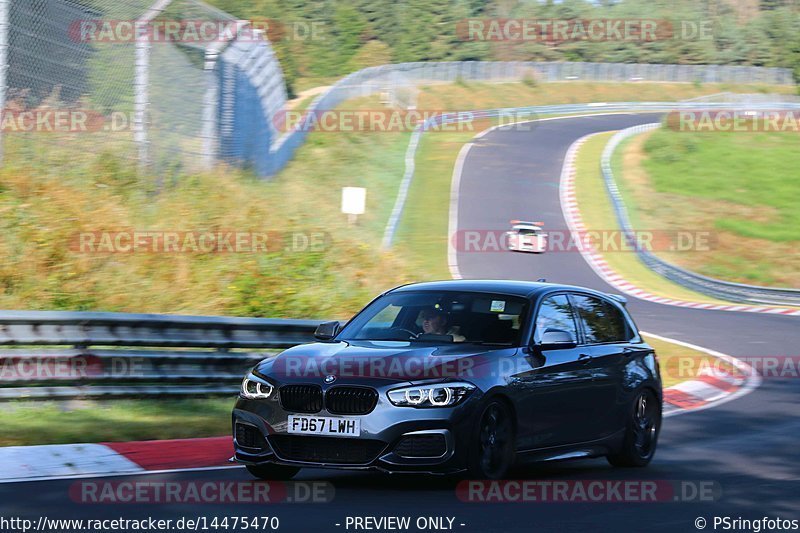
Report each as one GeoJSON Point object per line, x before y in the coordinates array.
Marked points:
{"type": "Point", "coordinates": [620, 298]}
{"type": "Point", "coordinates": [540, 224]}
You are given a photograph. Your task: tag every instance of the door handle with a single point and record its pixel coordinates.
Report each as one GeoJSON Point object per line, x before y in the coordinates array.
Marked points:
{"type": "Point", "coordinates": [584, 359]}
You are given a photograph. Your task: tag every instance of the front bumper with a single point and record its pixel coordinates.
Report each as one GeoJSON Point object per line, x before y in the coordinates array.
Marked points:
{"type": "Point", "coordinates": [382, 445]}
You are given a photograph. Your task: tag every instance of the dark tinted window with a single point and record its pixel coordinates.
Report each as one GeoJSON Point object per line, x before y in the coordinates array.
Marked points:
{"type": "Point", "coordinates": [440, 317]}
{"type": "Point", "coordinates": [555, 313]}
{"type": "Point", "coordinates": [602, 321]}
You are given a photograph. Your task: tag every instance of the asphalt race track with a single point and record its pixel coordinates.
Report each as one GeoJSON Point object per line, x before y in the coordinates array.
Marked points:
{"type": "Point", "coordinates": [747, 447]}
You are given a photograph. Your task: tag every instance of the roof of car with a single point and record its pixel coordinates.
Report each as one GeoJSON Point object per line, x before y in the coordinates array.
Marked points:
{"type": "Point", "coordinates": [513, 287]}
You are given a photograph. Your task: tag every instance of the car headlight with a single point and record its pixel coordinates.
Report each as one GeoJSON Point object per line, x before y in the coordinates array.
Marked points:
{"type": "Point", "coordinates": [437, 395]}
{"type": "Point", "coordinates": [255, 388]}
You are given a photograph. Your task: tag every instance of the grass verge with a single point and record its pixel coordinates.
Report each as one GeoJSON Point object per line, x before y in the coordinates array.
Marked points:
{"type": "Point", "coordinates": [31, 423]}
{"type": "Point", "coordinates": [473, 95]}
{"type": "Point", "coordinates": [739, 187]}
{"type": "Point", "coordinates": [598, 214]}
{"type": "Point", "coordinates": [422, 232]}
{"type": "Point", "coordinates": [677, 362]}
{"type": "Point", "coordinates": [50, 193]}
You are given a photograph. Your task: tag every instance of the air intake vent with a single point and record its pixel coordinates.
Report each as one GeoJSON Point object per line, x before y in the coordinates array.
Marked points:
{"type": "Point", "coordinates": [332, 450]}
{"type": "Point", "coordinates": [421, 446]}
{"type": "Point", "coordinates": [250, 437]}
{"type": "Point", "coordinates": [351, 400]}
{"type": "Point", "coordinates": [301, 398]}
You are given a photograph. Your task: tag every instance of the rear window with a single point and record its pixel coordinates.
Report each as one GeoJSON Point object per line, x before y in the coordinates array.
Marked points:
{"type": "Point", "coordinates": [602, 321]}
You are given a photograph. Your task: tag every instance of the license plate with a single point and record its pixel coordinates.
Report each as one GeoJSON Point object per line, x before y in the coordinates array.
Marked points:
{"type": "Point", "coordinates": [324, 425]}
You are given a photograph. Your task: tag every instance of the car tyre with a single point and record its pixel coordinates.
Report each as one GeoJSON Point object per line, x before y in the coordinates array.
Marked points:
{"type": "Point", "coordinates": [273, 472]}
{"type": "Point", "coordinates": [641, 433]}
{"type": "Point", "coordinates": [492, 450]}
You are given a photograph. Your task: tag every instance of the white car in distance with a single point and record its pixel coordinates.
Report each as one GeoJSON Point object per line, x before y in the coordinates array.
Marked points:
{"type": "Point", "coordinates": [527, 236]}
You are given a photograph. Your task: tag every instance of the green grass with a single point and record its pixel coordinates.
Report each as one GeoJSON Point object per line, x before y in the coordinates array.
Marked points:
{"type": "Point", "coordinates": [423, 231]}
{"type": "Point", "coordinates": [474, 95]}
{"type": "Point", "coordinates": [750, 169]}
{"type": "Point", "coordinates": [29, 423]}
{"type": "Point", "coordinates": [670, 356]}
{"type": "Point", "coordinates": [740, 187]}
{"type": "Point", "coordinates": [47, 201]}
{"type": "Point", "coordinates": [598, 214]}
{"type": "Point", "coordinates": [52, 190]}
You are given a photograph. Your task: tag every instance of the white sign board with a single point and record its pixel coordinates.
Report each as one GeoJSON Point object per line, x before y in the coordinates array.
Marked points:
{"type": "Point", "coordinates": [354, 200]}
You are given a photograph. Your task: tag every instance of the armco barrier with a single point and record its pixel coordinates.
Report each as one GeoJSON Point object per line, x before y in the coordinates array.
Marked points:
{"type": "Point", "coordinates": [735, 292]}
{"type": "Point", "coordinates": [375, 80]}
{"type": "Point", "coordinates": [539, 111]}
{"type": "Point", "coordinates": [726, 290]}
{"type": "Point", "coordinates": [51, 355]}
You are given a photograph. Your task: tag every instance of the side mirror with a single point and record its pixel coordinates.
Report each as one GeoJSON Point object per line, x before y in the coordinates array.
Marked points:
{"type": "Point", "coordinates": [557, 339]}
{"type": "Point", "coordinates": [326, 331]}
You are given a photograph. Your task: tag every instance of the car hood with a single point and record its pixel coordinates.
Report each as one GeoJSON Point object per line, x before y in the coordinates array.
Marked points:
{"type": "Point", "coordinates": [378, 363]}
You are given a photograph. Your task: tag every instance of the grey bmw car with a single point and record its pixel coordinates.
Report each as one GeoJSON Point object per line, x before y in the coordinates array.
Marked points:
{"type": "Point", "coordinates": [454, 376]}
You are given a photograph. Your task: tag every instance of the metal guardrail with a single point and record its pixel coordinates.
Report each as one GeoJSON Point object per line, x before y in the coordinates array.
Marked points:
{"type": "Point", "coordinates": [52, 355]}
{"type": "Point", "coordinates": [726, 290]}
{"type": "Point", "coordinates": [537, 111]}
{"type": "Point", "coordinates": [383, 78]}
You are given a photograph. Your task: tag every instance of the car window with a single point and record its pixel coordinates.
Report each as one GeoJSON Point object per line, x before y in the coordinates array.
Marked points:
{"type": "Point", "coordinates": [602, 322]}
{"type": "Point", "coordinates": [440, 317]}
{"type": "Point", "coordinates": [555, 312]}
{"type": "Point", "coordinates": [385, 318]}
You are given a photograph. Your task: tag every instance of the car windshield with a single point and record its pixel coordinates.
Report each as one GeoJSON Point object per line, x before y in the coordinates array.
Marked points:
{"type": "Point", "coordinates": [440, 317]}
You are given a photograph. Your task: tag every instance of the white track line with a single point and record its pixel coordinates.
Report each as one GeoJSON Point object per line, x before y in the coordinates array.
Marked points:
{"type": "Point", "coordinates": [752, 381]}
{"type": "Point", "coordinates": [119, 474]}
{"type": "Point", "coordinates": [455, 182]}
{"type": "Point", "coordinates": [83, 468]}
{"type": "Point", "coordinates": [595, 260]}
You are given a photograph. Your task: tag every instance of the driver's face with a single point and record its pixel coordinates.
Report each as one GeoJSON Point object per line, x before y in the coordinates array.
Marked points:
{"type": "Point", "coordinates": [432, 323]}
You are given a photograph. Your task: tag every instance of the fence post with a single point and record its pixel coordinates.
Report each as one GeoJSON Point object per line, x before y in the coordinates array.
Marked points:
{"type": "Point", "coordinates": [4, 29]}
{"type": "Point", "coordinates": [210, 110]}
{"type": "Point", "coordinates": [141, 84]}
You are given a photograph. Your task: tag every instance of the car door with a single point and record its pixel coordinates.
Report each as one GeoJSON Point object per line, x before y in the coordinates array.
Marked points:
{"type": "Point", "coordinates": [606, 338]}
{"type": "Point", "coordinates": [553, 392]}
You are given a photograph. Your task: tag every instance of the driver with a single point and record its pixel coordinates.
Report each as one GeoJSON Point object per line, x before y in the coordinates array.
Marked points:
{"type": "Point", "coordinates": [435, 321]}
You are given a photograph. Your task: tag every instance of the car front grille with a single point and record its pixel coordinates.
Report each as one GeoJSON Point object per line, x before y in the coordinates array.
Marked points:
{"type": "Point", "coordinates": [301, 398]}
{"type": "Point", "coordinates": [250, 437]}
{"type": "Point", "coordinates": [351, 400]}
{"type": "Point", "coordinates": [421, 446]}
{"type": "Point", "coordinates": [331, 450]}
